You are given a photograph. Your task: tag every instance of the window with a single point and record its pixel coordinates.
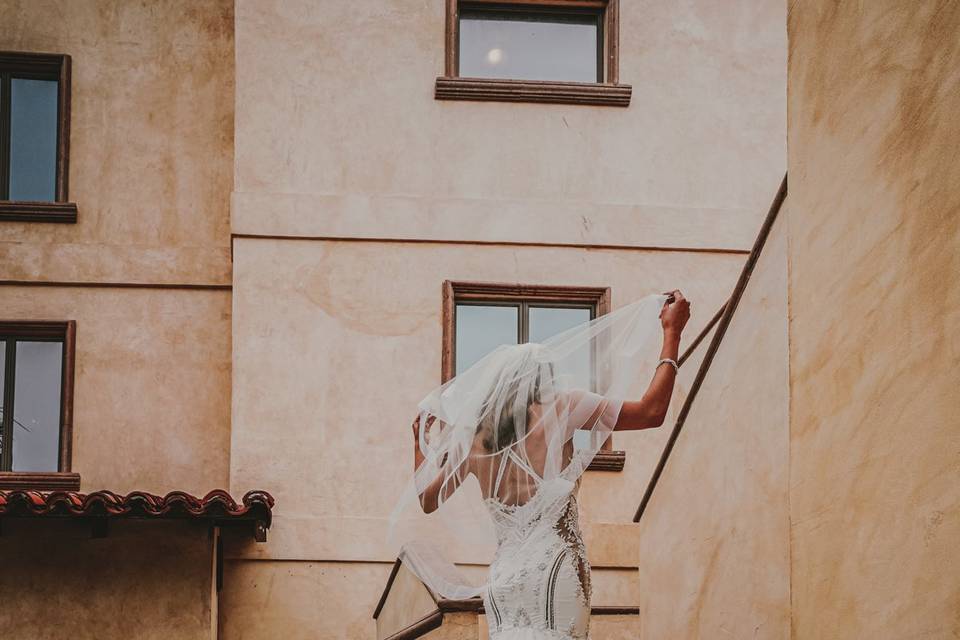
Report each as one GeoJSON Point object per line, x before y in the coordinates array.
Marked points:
{"type": "Point", "coordinates": [36, 377]}
{"type": "Point", "coordinates": [518, 44]}
{"type": "Point", "coordinates": [34, 137]}
{"type": "Point", "coordinates": [480, 327]}
{"type": "Point", "coordinates": [478, 317]}
{"type": "Point", "coordinates": [533, 51]}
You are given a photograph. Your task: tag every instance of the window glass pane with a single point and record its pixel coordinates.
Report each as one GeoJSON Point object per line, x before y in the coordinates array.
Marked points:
{"type": "Point", "coordinates": [581, 439]}
{"type": "Point", "coordinates": [36, 429]}
{"type": "Point", "coordinates": [3, 372]}
{"type": "Point", "coordinates": [481, 329]}
{"type": "Point", "coordinates": [528, 46]}
{"type": "Point", "coordinates": [33, 139]}
{"type": "Point", "coordinates": [545, 322]}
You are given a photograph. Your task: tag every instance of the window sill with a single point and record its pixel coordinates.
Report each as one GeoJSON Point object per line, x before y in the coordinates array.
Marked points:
{"type": "Point", "coordinates": [17, 211]}
{"type": "Point", "coordinates": [608, 461]}
{"type": "Point", "coordinates": [39, 481]}
{"type": "Point", "coordinates": [486, 89]}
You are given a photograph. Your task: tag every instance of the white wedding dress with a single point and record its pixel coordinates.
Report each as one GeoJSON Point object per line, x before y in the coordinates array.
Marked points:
{"type": "Point", "coordinates": [507, 426]}
{"type": "Point", "coordinates": [540, 578]}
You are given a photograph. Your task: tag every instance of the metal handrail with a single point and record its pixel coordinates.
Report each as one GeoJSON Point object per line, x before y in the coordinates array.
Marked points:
{"type": "Point", "coordinates": [723, 323]}
{"type": "Point", "coordinates": [700, 336]}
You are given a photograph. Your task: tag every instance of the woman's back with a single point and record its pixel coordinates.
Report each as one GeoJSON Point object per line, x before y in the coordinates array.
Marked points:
{"type": "Point", "coordinates": [512, 476]}
{"type": "Point", "coordinates": [539, 580]}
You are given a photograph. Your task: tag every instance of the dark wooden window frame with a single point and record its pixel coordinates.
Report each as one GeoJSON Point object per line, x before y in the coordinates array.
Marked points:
{"type": "Point", "coordinates": [451, 86]}
{"type": "Point", "coordinates": [455, 292]}
{"type": "Point", "coordinates": [42, 330]}
{"type": "Point", "coordinates": [46, 66]}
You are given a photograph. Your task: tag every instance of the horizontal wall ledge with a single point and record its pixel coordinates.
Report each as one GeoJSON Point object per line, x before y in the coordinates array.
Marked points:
{"type": "Point", "coordinates": [605, 247]}
{"type": "Point", "coordinates": [29, 256]}
{"type": "Point", "coordinates": [117, 285]}
{"type": "Point", "coordinates": [543, 222]}
{"type": "Point", "coordinates": [364, 539]}
{"type": "Point", "coordinates": [57, 212]}
{"type": "Point", "coordinates": [608, 461]}
{"type": "Point", "coordinates": [39, 481]}
{"type": "Point", "coordinates": [494, 90]}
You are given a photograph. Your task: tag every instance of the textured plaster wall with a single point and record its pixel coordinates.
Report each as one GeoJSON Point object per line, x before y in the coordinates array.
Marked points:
{"type": "Point", "coordinates": [408, 599]}
{"type": "Point", "coordinates": [329, 358]}
{"type": "Point", "coordinates": [338, 133]}
{"type": "Point", "coordinates": [875, 311]}
{"type": "Point", "coordinates": [300, 600]}
{"type": "Point", "coordinates": [151, 387]}
{"type": "Point", "coordinates": [338, 137]}
{"type": "Point", "coordinates": [714, 538]}
{"type": "Point", "coordinates": [151, 171]}
{"type": "Point", "coordinates": [336, 600]}
{"type": "Point", "coordinates": [151, 144]}
{"type": "Point", "coordinates": [145, 580]}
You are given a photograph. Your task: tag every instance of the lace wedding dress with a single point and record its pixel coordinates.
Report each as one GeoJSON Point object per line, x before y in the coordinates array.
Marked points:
{"type": "Point", "coordinates": [504, 429]}
{"type": "Point", "coordinates": [540, 578]}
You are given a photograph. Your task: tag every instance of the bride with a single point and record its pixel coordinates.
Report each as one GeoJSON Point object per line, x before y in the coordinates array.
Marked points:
{"type": "Point", "coordinates": [510, 424]}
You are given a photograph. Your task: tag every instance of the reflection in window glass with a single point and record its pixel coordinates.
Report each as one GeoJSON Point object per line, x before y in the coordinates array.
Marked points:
{"type": "Point", "coordinates": [481, 329]}
{"type": "Point", "coordinates": [33, 139]}
{"type": "Point", "coordinates": [36, 429]}
{"type": "Point", "coordinates": [529, 46]}
{"type": "Point", "coordinates": [546, 322]}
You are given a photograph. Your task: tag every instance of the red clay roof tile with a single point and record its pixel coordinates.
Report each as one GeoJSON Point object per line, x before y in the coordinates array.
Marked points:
{"type": "Point", "coordinates": [218, 506]}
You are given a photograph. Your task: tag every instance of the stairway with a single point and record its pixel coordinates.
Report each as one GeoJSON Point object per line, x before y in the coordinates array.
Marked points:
{"type": "Point", "coordinates": [408, 610]}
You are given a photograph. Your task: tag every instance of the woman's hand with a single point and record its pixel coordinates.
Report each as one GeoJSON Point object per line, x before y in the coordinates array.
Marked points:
{"type": "Point", "coordinates": [418, 456]}
{"type": "Point", "coordinates": [675, 313]}
{"type": "Point", "coordinates": [445, 482]}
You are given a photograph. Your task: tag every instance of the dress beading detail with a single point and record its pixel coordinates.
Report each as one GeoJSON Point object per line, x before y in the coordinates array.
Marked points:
{"type": "Point", "coordinates": [540, 577]}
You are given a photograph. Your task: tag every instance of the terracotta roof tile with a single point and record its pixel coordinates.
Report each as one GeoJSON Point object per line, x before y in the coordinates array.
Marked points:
{"type": "Point", "coordinates": [218, 506]}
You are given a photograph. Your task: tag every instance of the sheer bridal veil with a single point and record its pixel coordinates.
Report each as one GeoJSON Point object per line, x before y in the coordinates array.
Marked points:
{"type": "Point", "coordinates": [508, 439]}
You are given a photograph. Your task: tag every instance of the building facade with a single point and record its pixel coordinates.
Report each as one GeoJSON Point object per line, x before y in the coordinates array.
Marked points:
{"type": "Point", "coordinates": [274, 225]}
{"type": "Point", "coordinates": [358, 194]}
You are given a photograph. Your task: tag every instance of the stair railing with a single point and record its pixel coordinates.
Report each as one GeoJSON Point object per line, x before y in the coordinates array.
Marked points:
{"type": "Point", "coordinates": [722, 320]}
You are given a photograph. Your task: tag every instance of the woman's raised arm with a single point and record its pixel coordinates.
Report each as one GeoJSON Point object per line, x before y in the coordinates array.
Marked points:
{"type": "Point", "coordinates": [650, 410]}
{"type": "Point", "coordinates": [440, 488]}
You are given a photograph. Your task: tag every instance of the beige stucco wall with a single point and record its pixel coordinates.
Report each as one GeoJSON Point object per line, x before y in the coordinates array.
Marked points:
{"type": "Point", "coordinates": [151, 386]}
{"type": "Point", "coordinates": [714, 546]}
{"type": "Point", "coordinates": [151, 171]}
{"type": "Point", "coordinates": [875, 308]}
{"type": "Point", "coordinates": [151, 141]}
{"type": "Point", "coordinates": [340, 143]}
{"type": "Point", "coordinates": [338, 133]}
{"type": "Point", "coordinates": [145, 580]}
{"type": "Point", "coordinates": [300, 600]}
{"type": "Point", "coordinates": [407, 602]}
{"type": "Point", "coordinates": [145, 273]}
{"type": "Point", "coordinates": [329, 357]}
